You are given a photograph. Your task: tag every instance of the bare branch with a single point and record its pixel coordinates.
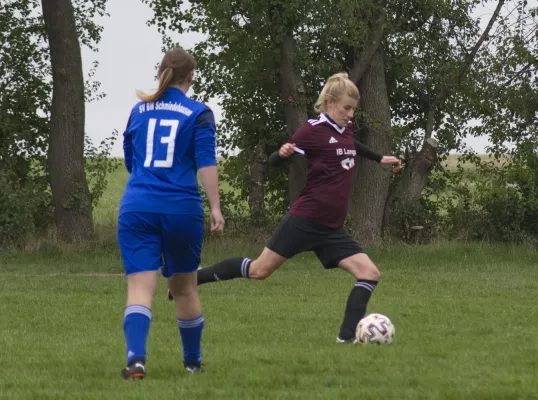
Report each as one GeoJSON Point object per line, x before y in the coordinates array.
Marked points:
{"type": "Point", "coordinates": [518, 74]}
{"type": "Point", "coordinates": [430, 118]}
{"type": "Point", "coordinates": [471, 56]}
{"type": "Point", "coordinates": [448, 89]}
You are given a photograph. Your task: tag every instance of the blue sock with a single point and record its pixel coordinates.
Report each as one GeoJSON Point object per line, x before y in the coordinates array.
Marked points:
{"type": "Point", "coordinates": [191, 337]}
{"type": "Point", "coordinates": [136, 323]}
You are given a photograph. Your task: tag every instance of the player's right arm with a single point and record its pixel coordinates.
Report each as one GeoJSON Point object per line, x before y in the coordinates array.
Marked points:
{"type": "Point", "coordinates": [128, 145]}
{"type": "Point", "coordinates": [301, 142]}
{"type": "Point", "coordinates": [206, 161]}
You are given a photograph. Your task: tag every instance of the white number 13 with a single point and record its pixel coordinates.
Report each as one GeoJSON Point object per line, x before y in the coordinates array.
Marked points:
{"type": "Point", "coordinates": [169, 140]}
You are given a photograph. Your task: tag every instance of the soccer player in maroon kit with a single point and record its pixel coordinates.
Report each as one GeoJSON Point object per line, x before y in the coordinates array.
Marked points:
{"type": "Point", "coordinates": [316, 219]}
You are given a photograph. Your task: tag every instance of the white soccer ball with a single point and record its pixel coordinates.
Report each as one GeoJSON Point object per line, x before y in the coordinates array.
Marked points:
{"type": "Point", "coordinates": [375, 329]}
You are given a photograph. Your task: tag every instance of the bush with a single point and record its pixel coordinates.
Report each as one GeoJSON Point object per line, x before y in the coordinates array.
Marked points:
{"type": "Point", "coordinates": [25, 210]}
{"type": "Point", "coordinates": [499, 204]}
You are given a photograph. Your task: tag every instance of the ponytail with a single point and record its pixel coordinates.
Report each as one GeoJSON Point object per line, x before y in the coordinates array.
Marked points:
{"type": "Point", "coordinates": [165, 79]}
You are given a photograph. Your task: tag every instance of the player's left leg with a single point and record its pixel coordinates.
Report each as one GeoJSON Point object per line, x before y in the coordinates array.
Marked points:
{"type": "Point", "coordinates": [139, 240]}
{"type": "Point", "coordinates": [367, 276]}
{"type": "Point", "coordinates": [136, 321]}
{"type": "Point", "coordinates": [341, 250]}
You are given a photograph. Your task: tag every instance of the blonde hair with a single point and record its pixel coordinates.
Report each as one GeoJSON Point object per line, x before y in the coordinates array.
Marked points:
{"type": "Point", "coordinates": [337, 85]}
{"type": "Point", "coordinates": [174, 69]}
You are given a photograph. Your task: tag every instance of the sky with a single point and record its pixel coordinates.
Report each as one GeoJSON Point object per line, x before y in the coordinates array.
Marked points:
{"type": "Point", "coordinates": [128, 54]}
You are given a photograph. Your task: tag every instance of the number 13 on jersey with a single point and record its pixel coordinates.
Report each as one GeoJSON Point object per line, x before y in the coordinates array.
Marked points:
{"type": "Point", "coordinates": [169, 141]}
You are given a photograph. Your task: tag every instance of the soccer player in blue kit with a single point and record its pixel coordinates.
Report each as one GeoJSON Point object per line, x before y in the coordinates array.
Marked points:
{"type": "Point", "coordinates": [168, 139]}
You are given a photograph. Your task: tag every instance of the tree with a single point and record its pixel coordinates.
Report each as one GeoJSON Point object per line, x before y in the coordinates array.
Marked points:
{"type": "Point", "coordinates": [505, 93]}
{"type": "Point", "coordinates": [266, 64]}
{"type": "Point", "coordinates": [432, 96]}
{"type": "Point", "coordinates": [25, 103]}
{"type": "Point", "coordinates": [72, 200]}
{"type": "Point", "coordinates": [24, 89]}
{"type": "Point", "coordinates": [411, 61]}
{"type": "Point", "coordinates": [238, 64]}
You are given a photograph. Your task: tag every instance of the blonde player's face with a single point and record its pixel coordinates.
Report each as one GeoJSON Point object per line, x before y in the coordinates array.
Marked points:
{"type": "Point", "coordinates": [341, 111]}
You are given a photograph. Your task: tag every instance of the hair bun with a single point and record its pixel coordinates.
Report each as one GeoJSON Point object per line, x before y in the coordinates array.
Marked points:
{"type": "Point", "coordinates": [339, 76]}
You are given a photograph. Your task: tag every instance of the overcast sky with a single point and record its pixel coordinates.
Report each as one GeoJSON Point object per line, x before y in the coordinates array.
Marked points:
{"type": "Point", "coordinates": [128, 53]}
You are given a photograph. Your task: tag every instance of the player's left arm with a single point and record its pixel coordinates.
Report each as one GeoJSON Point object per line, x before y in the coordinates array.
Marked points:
{"type": "Point", "coordinates": [367, 152]}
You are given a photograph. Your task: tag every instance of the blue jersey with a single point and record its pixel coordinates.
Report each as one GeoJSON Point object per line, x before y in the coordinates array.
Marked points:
{"type": "Point", "coordinates": [165, 143]}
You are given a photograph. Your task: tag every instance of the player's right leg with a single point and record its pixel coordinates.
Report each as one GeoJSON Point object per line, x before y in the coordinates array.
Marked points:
{"type": "Point", "coordinates": [182, 245]}
{"type": "Point", "coordinates": [291, 237]}
{"type": "Point", "coordinates": [239, 267]}
{"type": "Point", "coordinates": [288, 239]}
{"type": "Point", "coordinates": [139, 240]}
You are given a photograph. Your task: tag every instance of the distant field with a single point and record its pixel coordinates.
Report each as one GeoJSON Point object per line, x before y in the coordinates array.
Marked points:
{"type": "Point", "coordinates": [106, 212]}
{"type": "Point", "coordinates": [452, 160]}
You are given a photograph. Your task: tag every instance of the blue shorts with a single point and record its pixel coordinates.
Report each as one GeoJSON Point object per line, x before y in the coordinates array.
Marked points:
{"type": "Point", "coordinates": [151, 240]}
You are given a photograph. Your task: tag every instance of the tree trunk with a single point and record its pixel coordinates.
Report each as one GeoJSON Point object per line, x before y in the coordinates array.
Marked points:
{"type": "Point", "coordinates": [408, 189]}
{"type": "Point", "coordinates": [256, 193]}
{"type": "Point", "coordinates": [371, 185]}
{"type": "Point", "coordinates": [293, 97]}
{"type": "Point", "coordinates": [72, 199]}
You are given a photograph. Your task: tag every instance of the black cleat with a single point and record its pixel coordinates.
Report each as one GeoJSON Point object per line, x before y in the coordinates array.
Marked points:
{"type": "Point", "coordinates": [193, 368]}
{"type": "Point", "coordinates": [136, 370]}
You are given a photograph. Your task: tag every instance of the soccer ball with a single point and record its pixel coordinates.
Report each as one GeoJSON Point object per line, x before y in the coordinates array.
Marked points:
{"type": "Point", "coordinates": [376, 329]}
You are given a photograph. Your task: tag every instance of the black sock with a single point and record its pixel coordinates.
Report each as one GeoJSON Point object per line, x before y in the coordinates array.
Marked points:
{"type": "Point", "coordinates": [356, 307]}
{"type": "Point", "coordinates": [231, 268]}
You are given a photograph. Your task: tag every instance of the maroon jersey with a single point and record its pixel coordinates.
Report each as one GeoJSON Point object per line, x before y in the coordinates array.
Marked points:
{"type": "Point", "coordinates": [331, 153]}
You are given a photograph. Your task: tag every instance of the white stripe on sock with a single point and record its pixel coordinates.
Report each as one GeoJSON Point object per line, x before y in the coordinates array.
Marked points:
{"type": "Point", "coordinates": [137, 309]}
{"type": "Point", "coordinates": [192, 323]}
{"type": "Point", "coordinates": [367, 286]}
{"type": "Point", "coordinates": [244, 265]}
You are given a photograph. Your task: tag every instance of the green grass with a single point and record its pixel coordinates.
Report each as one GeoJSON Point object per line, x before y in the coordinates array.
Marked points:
{"type": "Point", "coordinates": [465, 317]}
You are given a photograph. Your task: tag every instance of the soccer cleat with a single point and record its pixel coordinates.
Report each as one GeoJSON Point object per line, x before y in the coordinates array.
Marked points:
{"type": "Point", "coordinates": [136, 370]}
{"type": "Point", "coordinates": [193, 368]}
{"type": "Point", "coordinates": [351, 340]}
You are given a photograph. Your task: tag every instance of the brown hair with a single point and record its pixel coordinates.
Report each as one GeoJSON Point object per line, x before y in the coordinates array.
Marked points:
{"type": "Point", "coordinates": [335, 86]}
{"type": "Point", "coordinates": [175, 68]}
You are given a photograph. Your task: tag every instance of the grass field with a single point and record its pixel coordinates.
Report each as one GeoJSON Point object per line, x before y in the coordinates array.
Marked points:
{"type": "Point", "coordinates": [465, 317]}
